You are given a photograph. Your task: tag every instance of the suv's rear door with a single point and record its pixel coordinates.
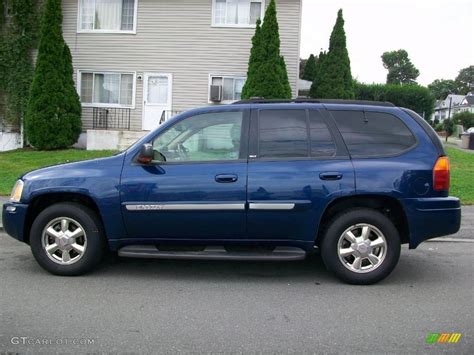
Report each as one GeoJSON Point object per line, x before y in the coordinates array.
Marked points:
{"type": "Point", "coordinates": [297, 164]}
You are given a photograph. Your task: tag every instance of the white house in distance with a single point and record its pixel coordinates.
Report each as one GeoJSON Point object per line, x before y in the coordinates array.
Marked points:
{"type": "Point", "coordinates": [453, 104]}
{"type": "Point", "coordinates": [138, 62]}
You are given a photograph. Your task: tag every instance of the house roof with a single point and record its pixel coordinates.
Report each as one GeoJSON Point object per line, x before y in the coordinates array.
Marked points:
{"type": "Point", "coordinates": [469, 100]}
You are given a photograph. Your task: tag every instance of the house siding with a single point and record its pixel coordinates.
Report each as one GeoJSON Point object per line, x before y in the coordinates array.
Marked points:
{"type": "Point", "coordinates": [177, 37]}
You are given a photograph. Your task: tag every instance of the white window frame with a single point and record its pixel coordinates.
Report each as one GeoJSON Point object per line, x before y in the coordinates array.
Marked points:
{"type": "Point", "coordinates": [132, 32]}
{"type": "Point", "coordinates": [95, 71]}
{"type": "Point", "coordinates": [223, 76]}
{"type": "Point", "coordinates": [213, 24]}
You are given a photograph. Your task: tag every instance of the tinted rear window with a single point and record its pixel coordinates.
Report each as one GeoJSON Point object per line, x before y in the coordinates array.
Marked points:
{"type": "Point", "coordinates": [372, 134]}
{"type": "Point", "coordinates": [283, 133]}
{"type": "Point", "coordinates": [292, 134]}
{"type": "Point", "coordinates": [322, 143]}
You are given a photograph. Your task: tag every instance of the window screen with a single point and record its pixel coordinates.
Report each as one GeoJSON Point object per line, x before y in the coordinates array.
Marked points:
{"type": "Point", "coordinates": [322, 143]}
{"type": "Point", "coordinates": [283, 134]}
{"type": "Point", "coordinates": [373, 133]}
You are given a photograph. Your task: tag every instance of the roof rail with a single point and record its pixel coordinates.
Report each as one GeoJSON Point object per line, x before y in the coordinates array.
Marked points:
{"type": "Point", "coordinates": [260, 100]}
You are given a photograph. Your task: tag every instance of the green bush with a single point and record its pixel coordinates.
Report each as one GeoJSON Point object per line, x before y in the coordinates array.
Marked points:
{"type": "Point", "coordinates": [333, 78]}
{"type": "Point", "coordinates": [267, 76]}
{"type": "Point", "coordinates": [439, 127]}
{"type": "Point", "coordinates": [53, 116]}
{"type": "Point", "coordinates": [466, 119]}
{"type": "Point", "coordinates": [414, 97]}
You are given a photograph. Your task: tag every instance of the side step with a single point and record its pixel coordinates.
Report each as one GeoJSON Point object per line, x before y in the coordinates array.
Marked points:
{"type": "Point", "coordinates": [212, 253]}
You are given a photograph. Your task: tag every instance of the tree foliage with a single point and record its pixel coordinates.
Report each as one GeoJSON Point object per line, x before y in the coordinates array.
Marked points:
{"type": "Point", "coordinates": [267, 76]}
{"type": "Point", "coordinates": [414, 96]}
{"type": "Point", "coordinates": [333, 78]}
{"type": "Point", "coordinates": [465, 80]}
{"type": "Point", "coordinates": [309, 68]}
{"type": "Point", "coordinates": [16, 66]}
{"type": "Point", "coordinates": [53, 118]}
{"type": "Point", "coordinates": [466, 119]}
{"type": "Point", "coordinates": [400, 68]}
{"type": "Point", "coordinates": [441, 88]}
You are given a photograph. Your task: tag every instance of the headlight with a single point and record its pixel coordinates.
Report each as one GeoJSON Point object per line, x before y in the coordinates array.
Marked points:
{"type": "Point", "coordinates": [17, 191]}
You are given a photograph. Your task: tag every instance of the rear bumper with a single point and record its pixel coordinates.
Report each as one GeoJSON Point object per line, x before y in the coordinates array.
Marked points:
{"type": "Point", "coordinates": [13, 219]}
{"type": "Point", "coordinates": [432, 217]}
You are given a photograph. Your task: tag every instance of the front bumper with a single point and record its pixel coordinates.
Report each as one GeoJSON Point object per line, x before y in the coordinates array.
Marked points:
{"type": "Point", "coordinates": [13, 219]}
{"type": "Point", "coordinates": [432, 217]}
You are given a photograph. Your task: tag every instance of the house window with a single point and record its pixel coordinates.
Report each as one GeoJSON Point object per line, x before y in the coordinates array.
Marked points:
{"type": "Point", "coordinates": [237, 12]}
{"type": "Point", "coordinates": [107, 15]}
{"type": "Point", "coordinates": [107, 89]}
{"type": "Point", "coordinates": [231, 86]}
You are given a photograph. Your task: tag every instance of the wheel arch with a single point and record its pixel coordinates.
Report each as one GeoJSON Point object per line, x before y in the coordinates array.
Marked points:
{"type": "Point", "coordinates": [387, 205]}
{"type": "Point", "coordinates": [41, 202]}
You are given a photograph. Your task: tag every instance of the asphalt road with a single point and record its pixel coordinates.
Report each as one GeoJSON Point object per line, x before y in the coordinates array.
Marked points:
{"type": "Point", "coordinates": [144, 306]}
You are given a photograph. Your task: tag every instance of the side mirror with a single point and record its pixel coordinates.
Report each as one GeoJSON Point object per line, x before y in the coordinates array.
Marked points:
{"type": "Point", "coordinates": [146, 154]}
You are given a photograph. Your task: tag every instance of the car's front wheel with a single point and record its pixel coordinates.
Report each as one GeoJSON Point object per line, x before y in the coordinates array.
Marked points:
{"type": "Point", "coordinates": [361, 246]}
{"type": "Point", "coordinates": [67, 239]}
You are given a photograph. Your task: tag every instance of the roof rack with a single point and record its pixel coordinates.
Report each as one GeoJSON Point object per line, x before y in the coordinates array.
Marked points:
{"type": "Point", "coordinates": [261, 100]}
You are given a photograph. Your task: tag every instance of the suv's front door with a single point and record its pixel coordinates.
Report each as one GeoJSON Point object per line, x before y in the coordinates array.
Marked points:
{"type": "Point", "coordinates": [200, 190]}
{"type": "Point", "coordinates": [297, 164]}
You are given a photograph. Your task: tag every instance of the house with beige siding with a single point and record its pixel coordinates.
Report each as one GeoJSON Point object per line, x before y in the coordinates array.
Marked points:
{"type": "Point", "coordinates": [138, 62]}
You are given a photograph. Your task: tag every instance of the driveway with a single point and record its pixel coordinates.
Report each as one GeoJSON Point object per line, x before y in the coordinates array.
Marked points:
{"type": "Point", "coordinates": [152, 306]}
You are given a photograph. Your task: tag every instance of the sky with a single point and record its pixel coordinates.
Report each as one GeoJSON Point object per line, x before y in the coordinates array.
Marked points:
{"type": "Point", "coordinates": [437, 34]}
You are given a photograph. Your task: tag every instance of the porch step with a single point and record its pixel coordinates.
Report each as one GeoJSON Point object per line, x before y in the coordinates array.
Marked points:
{"type": "Point", "coordinates": [213, 253]}
{"type": "Point", "coordinates": [127, 138]}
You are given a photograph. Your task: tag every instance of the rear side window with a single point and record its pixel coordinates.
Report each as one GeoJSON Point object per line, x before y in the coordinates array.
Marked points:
{"type": "Point", "coordinates": [371, 134]}
{"type": "Point", "coordinates": [283, 134]}
{"type": "Point", "coordinates": [294, 134]}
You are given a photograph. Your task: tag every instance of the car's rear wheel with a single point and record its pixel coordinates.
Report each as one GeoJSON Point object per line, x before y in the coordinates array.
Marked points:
{"type": "Point", "coordinates": [361, 246]}
{"type": "Point", "coordinates": [67, 239]}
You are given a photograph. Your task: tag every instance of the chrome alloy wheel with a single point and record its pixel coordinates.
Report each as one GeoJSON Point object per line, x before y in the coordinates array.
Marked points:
{"type": "Point", "coordinates": [362, 248]}
{"type": "Point", "coordinates": [64, 240]}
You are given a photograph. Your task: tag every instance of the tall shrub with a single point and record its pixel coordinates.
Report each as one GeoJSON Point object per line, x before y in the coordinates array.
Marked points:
{"type": "Point", "coordinates": [334, 78]}
{"type": "Point", "coordinates": [267, 76]}
{"type": "Point", "coordinates": [16, 65]}
{"type": "Point", "coordinates": [309, 68]}
{"type": "Point", "coordinates": [53, 117]}
{"type": "Point", "coordinates": [412, 96]}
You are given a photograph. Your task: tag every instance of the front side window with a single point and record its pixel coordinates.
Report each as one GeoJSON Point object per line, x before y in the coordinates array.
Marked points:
{"type": "Point", "coordinates": [231, 87]}
{"type": "Point", "coordinates": [206, 137]}
{"type": "Point", "coordinates": [110, 89]}
{"type": "Point", "coordinates": [237, 12]}
{"type": "Point", "coordinates": [371, 134]}
{"type": "Point", "coordinates": [107, 15]}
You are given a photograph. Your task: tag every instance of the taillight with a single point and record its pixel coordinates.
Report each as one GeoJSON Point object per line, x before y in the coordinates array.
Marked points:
{"type": "Point", "coordinates": [441, 174]}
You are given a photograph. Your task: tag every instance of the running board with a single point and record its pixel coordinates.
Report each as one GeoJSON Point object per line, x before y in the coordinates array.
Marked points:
{"type": "Point", "coordinates": [212, 253]}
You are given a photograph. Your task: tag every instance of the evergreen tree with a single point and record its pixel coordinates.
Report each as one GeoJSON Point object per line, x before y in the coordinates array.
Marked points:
{"type": "Point", "coordinates": [318, 70]}
{"type": "Point", "coordinates": [309, 68]}
{"type": "Point", "coordinates": [267, 76]}
{"type": "Point", "coordinates": [16, 66]}
{"type": "Point", "coordinates": [53, 117]}
{"type": "Point", "coordinates": [334, 79]}
{"type": "Point", "coordinates": [256, 55]}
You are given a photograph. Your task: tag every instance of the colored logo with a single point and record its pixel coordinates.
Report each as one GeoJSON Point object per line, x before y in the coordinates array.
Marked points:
{"type": "Point", "coordinates": [443, 338]}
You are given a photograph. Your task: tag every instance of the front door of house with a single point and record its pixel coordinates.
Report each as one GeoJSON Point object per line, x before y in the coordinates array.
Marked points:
{"type": "Point", "coordinates": [157, 92]}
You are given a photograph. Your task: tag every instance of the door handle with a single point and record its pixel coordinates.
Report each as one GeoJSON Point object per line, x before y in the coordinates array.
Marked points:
{"type": "Point", "coordinates": [330, 176]}
{"type": "Point", "coordinates": [226, 178]}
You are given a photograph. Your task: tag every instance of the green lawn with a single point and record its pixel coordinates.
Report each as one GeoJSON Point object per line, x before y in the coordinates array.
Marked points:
{"type": "Point", "coordinates": [15, 163]}
{"type": "Point", "coordinates": [462, 175]}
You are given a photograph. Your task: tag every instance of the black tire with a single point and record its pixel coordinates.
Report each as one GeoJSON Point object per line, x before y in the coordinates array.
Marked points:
{"type": "Point", "coordinates": [92, 227]}
{"type": "Point", "coordinates": [330, 244]}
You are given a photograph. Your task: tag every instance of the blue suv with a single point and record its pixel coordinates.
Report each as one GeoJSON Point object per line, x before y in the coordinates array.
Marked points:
{"type": "Point", "coordinates": [255, 180]}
